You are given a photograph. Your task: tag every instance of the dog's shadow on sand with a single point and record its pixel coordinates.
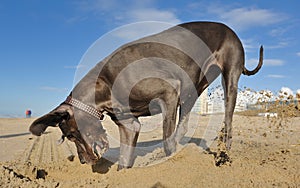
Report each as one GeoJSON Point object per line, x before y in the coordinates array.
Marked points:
{"type": "Point", "coordinates": [143, 148]}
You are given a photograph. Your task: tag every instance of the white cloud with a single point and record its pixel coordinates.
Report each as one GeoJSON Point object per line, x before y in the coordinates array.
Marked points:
{"type": "Point", "coordinates": [75, 19]}
{"type": "Point", "coordinates": [275, 76]}
{"type": "Point", "coordinates": [273, 62]}
{"type": "Point", "coordinates": [152, 14]}
{"type": "Point", "coordinates": [140, 29]}
{"type": "Point", "coordinates": [266, 62]}
{"type": "Point", "coordinates": [53, 89]}
{"type": "Point", "coordinates": [251, 45]}
{"type": "Point", "coordinates": [96, 5]}
{"type": "Point", "coordinates": [74, 66]}
{"type": "Point", "coordinates": [248, 43]}
{"type": "Point", "coordinates": [243, 18]}
{"type": "Point", "coordinates": [281, 44]}
{"type": "Point", "coordinates": [127, 11]}
{"type": "Point", "coordinates": [298, 54]}
{"type": "Point", "coordinates": [277, 32]}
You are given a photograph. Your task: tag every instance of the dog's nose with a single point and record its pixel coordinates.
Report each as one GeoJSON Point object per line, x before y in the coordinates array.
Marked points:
{"type": "Point", "coordinates": [82, 161]}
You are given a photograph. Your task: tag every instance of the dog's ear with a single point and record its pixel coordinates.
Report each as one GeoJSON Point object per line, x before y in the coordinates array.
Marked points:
{"type": "Point", "coordinates": [50, 119]}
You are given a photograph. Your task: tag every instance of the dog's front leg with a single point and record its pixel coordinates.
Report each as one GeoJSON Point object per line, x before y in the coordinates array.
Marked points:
{"type": "Point", "coordinates": [129, 131]}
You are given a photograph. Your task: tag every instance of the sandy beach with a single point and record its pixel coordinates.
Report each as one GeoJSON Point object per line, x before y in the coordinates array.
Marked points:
{"type": "Point", "coordinates": [265, 153]}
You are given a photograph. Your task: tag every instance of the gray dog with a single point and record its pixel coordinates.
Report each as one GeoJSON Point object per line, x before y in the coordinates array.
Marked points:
{"type": "Point", "coordinates": [157, 74]}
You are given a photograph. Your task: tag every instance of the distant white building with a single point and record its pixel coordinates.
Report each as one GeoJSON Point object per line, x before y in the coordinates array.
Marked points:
{"type": "Point", "coordinates": [206, 105]}
{"type": "Point", "coordinates": [298, 98]}
{"type": "Point", "coordinates": [201, 105]}
{"type": "Point", "coordinates": [215, 102]}
{"type": "Point", "coordinates": [203, 100]}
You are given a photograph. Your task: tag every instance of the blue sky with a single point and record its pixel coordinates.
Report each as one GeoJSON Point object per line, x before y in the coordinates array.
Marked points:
{"type": "Point", "coordinates": [42, 42]}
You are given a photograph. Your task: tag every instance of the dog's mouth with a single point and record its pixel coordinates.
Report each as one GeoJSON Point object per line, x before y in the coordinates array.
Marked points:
{"type": "Point", "coordinates": [91, 153]}
{"type": "Point", "coordinates": [86, 154]}
{"type": "Point", "coordinates": [91, 141]}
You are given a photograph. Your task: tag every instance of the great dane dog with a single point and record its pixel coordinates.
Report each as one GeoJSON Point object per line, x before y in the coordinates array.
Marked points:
{"type": "Point", "coordinates": [160, 73]}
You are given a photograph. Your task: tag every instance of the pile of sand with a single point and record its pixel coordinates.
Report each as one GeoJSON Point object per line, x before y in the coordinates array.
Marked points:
{"type": "Point", "coordinates": [262, 155]}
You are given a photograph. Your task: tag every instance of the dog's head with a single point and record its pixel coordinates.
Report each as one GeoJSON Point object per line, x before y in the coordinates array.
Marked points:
{"type": "Point", "coordinates": [79, 127]}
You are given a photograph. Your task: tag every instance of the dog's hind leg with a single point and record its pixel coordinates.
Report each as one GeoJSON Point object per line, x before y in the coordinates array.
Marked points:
{"type": "Point", "coordinates": [182, 126]}
{"type": "Point", "coordinates": [169, 105]}
{"type": "Point", "coordinates": [230, 86]}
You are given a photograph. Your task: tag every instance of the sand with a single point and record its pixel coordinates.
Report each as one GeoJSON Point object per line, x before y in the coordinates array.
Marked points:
{"type": "Point", "coordinates": [263, 154]}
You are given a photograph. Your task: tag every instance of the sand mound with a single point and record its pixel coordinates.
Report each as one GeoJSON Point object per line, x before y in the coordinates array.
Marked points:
{"type": "Point", "coordinates": [262, 156]}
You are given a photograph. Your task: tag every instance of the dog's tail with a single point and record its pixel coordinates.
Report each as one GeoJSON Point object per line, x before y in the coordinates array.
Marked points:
{"type": "Point", "coordinates": [261, 54]}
